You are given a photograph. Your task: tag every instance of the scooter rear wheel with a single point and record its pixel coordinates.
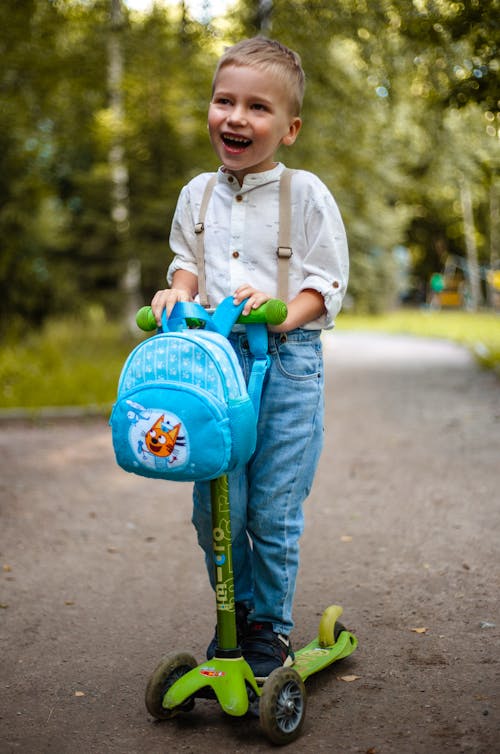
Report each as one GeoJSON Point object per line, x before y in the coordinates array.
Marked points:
{"type": "Point", "coordinates": [167, 672]}
{"type": "Point", "coordinates": [283, 706]}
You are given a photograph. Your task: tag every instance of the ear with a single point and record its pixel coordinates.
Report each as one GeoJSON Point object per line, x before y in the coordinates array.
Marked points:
{"type": "Point", "coordinates": [293, 131]}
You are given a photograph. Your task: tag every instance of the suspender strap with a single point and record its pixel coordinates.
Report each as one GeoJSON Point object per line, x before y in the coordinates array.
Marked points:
{"type": "Point", "coordinates": [284, 251]}
{"type": "Point", "coordinates": [199, 229]}
{"type": "Point", "coordinates": [257, 334]}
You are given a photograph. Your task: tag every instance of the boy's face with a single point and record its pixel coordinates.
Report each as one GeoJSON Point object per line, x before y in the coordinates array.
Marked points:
{"type": "Point", "coordinates": [248, 118]}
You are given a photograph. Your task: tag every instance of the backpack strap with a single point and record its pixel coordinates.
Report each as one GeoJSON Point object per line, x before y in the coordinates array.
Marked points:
{"type": "Point", "coordinates": [259, 345]}
{"type": "Point", "coordinates": [199, 229]}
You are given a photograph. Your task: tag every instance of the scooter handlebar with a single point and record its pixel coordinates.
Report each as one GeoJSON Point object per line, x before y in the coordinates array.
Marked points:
{"type": "Point", "coordinates": [272, 312]}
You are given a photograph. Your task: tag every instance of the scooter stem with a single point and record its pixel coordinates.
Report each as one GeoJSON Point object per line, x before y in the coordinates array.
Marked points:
{"type": "Point", "coordinates": [223, 569]}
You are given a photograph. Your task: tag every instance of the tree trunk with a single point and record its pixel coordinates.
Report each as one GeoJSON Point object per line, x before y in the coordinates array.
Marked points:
{"type": "Point", "coordinates": [118, 167]}
{"type": "Point", "coordinates": [470, 246]}
{"type": "Point", "coordinates": [264, 11]}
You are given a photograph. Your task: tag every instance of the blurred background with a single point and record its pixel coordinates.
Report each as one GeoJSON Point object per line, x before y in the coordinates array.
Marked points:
{"type": "Point", "coordinates": [103, 120]}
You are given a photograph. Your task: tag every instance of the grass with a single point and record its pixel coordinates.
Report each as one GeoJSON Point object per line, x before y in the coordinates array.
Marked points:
{"type": "Point", "coordinates": [69, 363]}
{"type": "Point", "coordinates": [72, 363]}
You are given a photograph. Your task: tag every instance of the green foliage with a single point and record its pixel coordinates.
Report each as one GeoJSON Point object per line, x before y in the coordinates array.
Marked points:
{"type": "Point", "coordinates": [400, 108]}
{"type": "Point", "coordinates": [71, 362]}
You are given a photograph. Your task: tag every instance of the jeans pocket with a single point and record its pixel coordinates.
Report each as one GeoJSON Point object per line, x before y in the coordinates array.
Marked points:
{"type": "Point", "coordinates": [300, 361]}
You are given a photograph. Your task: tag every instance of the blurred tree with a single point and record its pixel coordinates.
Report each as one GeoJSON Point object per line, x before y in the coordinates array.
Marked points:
{"type": "Point", "coordinates": [382, 126]}
{"type": "Point", "coordinates": [170, 59]}
{"type": "Point", "coordinates": [30, 225]}
{"type": "Point", "coordinates": [456, 46]}
{"type": "Point", "coordinates": [400, 107]}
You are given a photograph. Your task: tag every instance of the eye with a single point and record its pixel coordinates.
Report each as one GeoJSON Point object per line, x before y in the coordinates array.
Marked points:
{"type": "Point", "coordinates": [152, 433]}
{"type": "Point", "coordinates": [222, 101]}
{"type": "Point", "coordinates": [162, 440]}
{"type": "Point", "coordinates": [259, 106]}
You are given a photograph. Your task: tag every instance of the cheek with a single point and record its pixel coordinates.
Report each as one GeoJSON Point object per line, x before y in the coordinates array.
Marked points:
{"type": "Point", "coordinates": [212, 127]}
{"type": "Point", "coordinates": [214, 117]}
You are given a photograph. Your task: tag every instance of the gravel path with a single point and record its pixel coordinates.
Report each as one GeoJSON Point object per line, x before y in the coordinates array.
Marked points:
{"type": "Point", "coordinates": [102, 575]}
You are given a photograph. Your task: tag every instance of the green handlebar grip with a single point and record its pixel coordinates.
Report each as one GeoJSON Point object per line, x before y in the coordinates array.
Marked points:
{"type": "Point", "coordinates": [145, 319]}
{"type": "Point", "coordinates": [272, 312]}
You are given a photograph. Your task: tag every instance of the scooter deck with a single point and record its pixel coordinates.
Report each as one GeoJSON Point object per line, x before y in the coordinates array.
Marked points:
{"type": "Point", "coordinates": [315, 657]}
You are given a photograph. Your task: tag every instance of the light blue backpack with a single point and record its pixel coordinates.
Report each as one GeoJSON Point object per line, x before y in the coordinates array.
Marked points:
{"type": "Point", "coordinates": [183, 411]}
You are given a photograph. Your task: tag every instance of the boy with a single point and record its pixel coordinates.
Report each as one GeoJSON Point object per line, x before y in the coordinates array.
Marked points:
{"type": "Point", "coordinates": [255, 107]}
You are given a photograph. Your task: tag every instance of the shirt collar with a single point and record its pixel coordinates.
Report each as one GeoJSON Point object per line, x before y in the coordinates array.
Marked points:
{"type": "Point", "coordinates": [251, 180]}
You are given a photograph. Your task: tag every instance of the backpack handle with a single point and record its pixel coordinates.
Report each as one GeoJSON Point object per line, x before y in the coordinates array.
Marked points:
{"type": "Point", "coordinates": [180, 315]}
{"type": "Point", "coordinates": [221, 321]}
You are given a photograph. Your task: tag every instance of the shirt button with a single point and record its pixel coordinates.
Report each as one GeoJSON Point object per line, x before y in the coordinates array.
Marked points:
{"type": "Point", "coordinates": [239, 198]}
{"type": "Point", "coordinates": [230, 178]}
{"type": "Point", "coordinates": [336, 283]}
{"type": "Point", "coordinates": [236, 254]}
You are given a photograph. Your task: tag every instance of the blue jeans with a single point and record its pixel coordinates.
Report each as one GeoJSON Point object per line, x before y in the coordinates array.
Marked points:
{"type": "Point", "coordinates": [267, 495]}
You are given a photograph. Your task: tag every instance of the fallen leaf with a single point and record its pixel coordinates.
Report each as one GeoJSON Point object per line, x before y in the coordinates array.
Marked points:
{"type": "Point", "coordinates": [7, 568]}
{"type": "Point", "coordinates": [422, 630]}
{"type": "Point", "coordinates": [349, 678]}
{"type": "Point", "coordinates": [113, 550]}
{"type": "Point", "coordinates": [79, 693]}
{"type": "Point", "coordinates": [346, 538]}
{"type": "Point", "coordinates": [3, 606]}
{"type": "Point", "coordinates": [69, 602]}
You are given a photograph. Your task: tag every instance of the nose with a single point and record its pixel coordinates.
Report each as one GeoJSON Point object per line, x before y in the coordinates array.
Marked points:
{"type": "Point", "coordinates": [237, 115]}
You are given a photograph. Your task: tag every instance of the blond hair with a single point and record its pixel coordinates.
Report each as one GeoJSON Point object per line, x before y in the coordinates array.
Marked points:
{"type": "Point", "coordinates": [269, 55]}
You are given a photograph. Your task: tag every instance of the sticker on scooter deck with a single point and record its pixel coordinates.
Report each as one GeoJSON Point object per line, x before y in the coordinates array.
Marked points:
{"type": "Point", "coordinates": [314, 657]}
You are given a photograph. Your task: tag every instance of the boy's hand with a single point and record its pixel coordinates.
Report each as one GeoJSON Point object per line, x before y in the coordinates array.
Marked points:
{"type": "Point", "coordinates": [255, 298]}
{"type": "Point", "coordinates": [167, 299]}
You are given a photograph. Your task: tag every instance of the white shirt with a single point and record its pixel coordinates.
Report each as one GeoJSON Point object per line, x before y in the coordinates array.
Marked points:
{"type": "Point", "coordinates": [241, 237]}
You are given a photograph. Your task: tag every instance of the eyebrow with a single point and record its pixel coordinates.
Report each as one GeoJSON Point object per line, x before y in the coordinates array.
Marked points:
{"type": "Point", "coordinates": [230, 94]}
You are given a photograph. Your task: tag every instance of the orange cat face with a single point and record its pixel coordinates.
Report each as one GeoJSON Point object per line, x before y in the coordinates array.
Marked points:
{"type": "Point", "coordinates": [159, 441]}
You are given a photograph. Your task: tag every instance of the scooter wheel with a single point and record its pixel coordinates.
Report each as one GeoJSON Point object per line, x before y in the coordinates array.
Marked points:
{"type": "Point", "coordinates": [283, 706]}
{"type": "Point", "coordinates": [167, 672]}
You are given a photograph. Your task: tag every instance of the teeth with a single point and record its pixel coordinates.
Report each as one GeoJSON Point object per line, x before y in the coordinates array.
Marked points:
{"type": "Point", "coordinates": [236, 139]}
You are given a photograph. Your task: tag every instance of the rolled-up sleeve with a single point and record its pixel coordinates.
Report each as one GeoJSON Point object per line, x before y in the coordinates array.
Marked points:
{"type": "Point", "coordinates": [182, 237]}
{"type": "Point", "coordinates": [325, 266]}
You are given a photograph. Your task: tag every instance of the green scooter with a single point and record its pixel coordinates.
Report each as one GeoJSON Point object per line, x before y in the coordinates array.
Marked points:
{"type": "Point", "coordinates": [227, 678]}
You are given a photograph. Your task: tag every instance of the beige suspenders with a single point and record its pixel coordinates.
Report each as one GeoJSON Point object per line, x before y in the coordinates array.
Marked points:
{"type": "Point", "coordinates": [283, 252]}
{"type": "Point", "coordinates": [199, 229]}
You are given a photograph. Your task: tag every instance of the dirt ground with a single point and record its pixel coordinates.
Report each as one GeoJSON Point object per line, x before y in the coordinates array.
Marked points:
{"type": "Point", "coordinates": [102, 576]}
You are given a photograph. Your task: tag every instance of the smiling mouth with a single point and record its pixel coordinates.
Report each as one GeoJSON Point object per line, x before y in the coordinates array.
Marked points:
{"type": "Point", "coordinates": [235, 143]}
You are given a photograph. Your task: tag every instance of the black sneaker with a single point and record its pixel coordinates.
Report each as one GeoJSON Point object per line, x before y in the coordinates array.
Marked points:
{"type": "Point", "coordinates": [265, 650]}
{"type": "Point", "coordinates": [241, 628]}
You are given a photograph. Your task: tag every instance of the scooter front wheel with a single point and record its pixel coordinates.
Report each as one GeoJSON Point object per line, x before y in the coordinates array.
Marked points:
{"type": "Point", "coordinates": [167, 672]}
{"type": "Point", "coordinates": [283, 706]}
